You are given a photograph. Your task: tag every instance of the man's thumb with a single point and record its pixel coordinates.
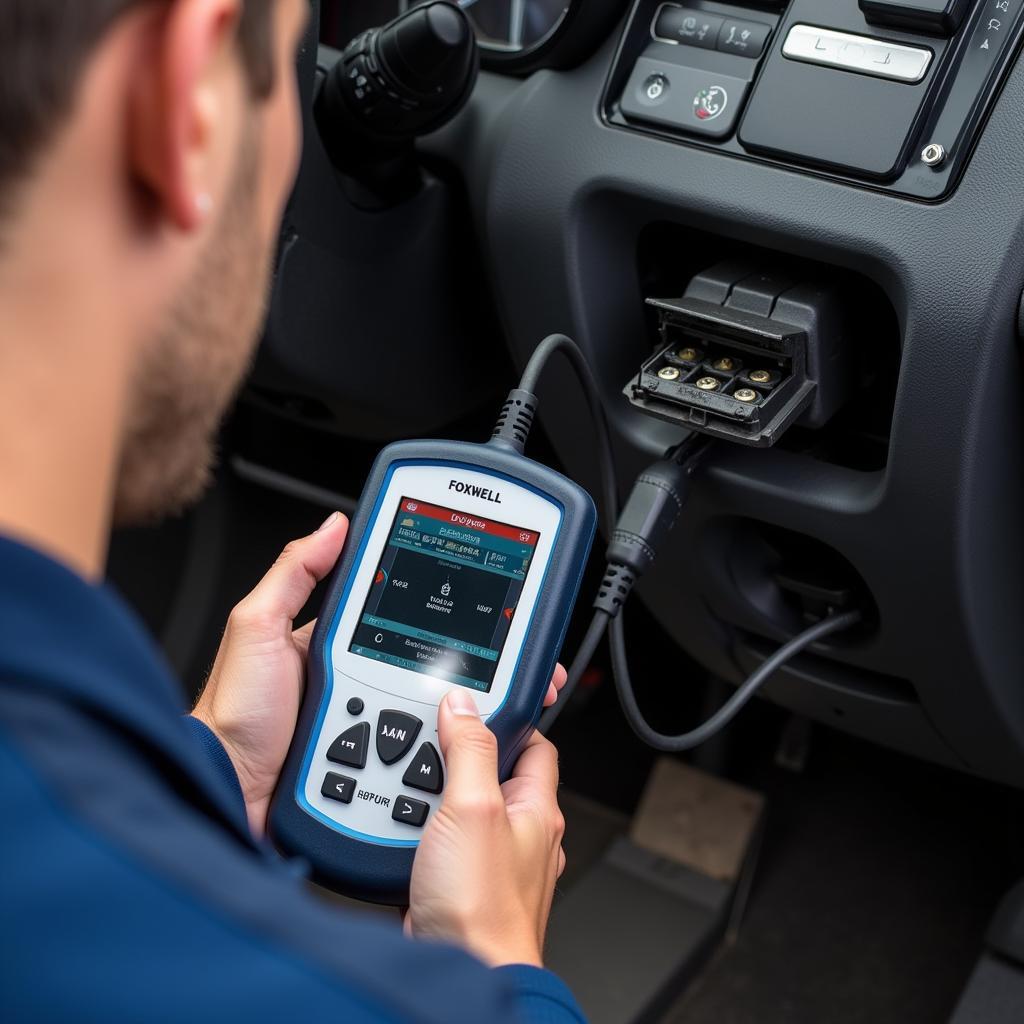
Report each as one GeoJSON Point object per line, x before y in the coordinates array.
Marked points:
{"type": "Point", "coordinates": [469, 747]}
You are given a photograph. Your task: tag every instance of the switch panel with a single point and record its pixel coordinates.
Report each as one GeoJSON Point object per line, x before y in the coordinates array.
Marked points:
{"type": "Point", "coordinates": [692, 99]}
{"type": "Point", "coordinates": [885, 93]}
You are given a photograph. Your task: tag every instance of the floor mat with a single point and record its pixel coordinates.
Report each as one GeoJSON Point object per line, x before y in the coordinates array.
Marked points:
{"type": "Point", "coordinates": [877, 879]}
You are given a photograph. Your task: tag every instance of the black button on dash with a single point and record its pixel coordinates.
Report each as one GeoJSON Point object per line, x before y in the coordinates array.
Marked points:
{"type": "Point", "coordinates": [351, 746]}
{"type": "Point", "coordinates": [424, 771]}
{"type": "Point", "coordinates": [682, 25]}
{"type": "Point", "coordinates": [338, 787]}
{"type": "Point", "coordinates": [396, 732]}
{"type": "Point", "coordinates": [746, 38]}
{"type": "Point", "coordinates": [412, 812]}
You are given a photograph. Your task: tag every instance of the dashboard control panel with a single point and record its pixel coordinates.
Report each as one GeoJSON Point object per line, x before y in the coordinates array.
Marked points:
{"type": "Point", "coordinates": [913, 79]}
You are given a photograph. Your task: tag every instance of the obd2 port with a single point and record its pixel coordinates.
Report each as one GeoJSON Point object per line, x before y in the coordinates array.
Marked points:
{"type": "Point", "coordinates": [743, 355]}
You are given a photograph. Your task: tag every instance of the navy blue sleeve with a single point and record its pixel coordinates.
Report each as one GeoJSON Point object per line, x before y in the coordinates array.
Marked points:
{"type": "Point", "coordinates": [542, 997]}
{"type": "Point", "coordinates": [214, 752]}
{"type": "Point", "coordinates": [128, 903]}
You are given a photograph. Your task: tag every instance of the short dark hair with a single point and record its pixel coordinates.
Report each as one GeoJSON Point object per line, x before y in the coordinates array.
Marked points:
{"type": "Point", "coordinates": [44, 46]}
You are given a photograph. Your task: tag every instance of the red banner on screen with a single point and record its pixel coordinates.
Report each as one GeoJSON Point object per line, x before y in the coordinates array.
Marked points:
{"type": "Point", "coordinates": [465, 521]}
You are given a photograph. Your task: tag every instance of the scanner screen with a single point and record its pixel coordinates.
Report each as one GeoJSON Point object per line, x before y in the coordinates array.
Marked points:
{"type": "Point", "coordinates": [444, 594]}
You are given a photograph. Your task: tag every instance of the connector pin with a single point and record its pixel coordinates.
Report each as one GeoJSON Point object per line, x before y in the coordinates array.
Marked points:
{"type": "Point", "coordinates": [669, 373]}
{"type": "Point", "coordinates": [707, 383]}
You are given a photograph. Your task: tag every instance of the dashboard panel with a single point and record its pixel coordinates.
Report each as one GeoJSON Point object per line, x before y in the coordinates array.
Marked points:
{"type": "Point", "coordinates": [574, 210]}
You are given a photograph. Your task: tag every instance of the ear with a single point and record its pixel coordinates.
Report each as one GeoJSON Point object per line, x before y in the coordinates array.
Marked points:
{"type": "Point", "coordinates": [186, 108]}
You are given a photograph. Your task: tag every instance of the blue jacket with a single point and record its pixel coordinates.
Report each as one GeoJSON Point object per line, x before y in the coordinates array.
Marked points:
{"type": "Point", "coordinates": [130, 886]}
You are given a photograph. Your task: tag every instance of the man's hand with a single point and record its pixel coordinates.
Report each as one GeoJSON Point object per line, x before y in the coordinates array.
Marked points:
{"type": "Point", "coordinates": [485, 871]}
{"type": "Point", "coordinates": [251, 700]}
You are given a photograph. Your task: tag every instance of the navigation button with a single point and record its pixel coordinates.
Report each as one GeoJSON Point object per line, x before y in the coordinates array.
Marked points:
{"type": "Point", "coordinates": [396, 732]}
{"type": "Point", "coordinates": [424, 771]}
{"type": "Point", "coordinates": [412, 812]}
{"type": "Point", "coordinates": [338, 787]}
{"type": "Point", "coordinates": [351, 746]}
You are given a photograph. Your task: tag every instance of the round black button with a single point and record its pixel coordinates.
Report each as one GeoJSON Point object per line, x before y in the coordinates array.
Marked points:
{"type": "Point", "coordinates": [355, 706]}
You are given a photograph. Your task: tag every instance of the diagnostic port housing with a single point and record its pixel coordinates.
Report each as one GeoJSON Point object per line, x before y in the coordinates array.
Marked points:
{"type": "Point", "coordinates": [745, 354]}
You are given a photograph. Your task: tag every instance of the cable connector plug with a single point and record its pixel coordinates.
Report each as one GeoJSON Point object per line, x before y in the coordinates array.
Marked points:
{"type": "Point", "coordinates": [650, 513]}
{"type": "Point", "coordinates": [515, 420]}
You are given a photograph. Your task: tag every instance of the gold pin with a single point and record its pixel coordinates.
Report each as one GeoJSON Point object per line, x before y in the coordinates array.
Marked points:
{"type": "Point", "coordinates": [669, 373]}
{"type": "Point", "coordinates": [707, 384]}
{"type": "Point", "coordinates": [725, 363]}
{"type": "Point", "coordinates": [745, 394]}
{"type": "Point", "coordinates": [760, 376]}
{"type": "Point", "coordinates": [688, 355]}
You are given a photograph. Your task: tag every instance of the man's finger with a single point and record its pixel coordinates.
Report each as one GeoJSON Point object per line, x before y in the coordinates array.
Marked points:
{"type": "Point", "coordinates": [290, 580]}
{"type": "Point", "coordinates": [538, 763]}
{"type": "Point", "coordinates": [470, 753]}
{"type": "Point", "coordinates": [556, 684]}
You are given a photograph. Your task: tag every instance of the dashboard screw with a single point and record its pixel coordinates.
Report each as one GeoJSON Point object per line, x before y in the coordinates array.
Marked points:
{"type": "Point", "coordinates": [933, 154]}
{"type": "Point", "coordinates": [760, 376]}
{"type": "Point", "coordinates": [725, 363]}
{"type": "Point", "coordinates": [669, 373]}
{"type": "Point", "coordinates": [745, 394]}
{"type": "Point", "coordinates": [707, 384]}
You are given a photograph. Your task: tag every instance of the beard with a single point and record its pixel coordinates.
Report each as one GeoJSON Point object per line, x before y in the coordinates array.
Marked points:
{"type": "Point", "coordinates": [191, 369]}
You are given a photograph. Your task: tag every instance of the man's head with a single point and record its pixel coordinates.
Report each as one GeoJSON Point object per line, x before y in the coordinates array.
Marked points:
{"type": "Point", "coordinates": [169, 130]}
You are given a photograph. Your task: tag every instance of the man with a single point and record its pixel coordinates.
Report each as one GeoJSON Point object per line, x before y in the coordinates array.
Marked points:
{"type": "Point", "coordinates": [146, 149]}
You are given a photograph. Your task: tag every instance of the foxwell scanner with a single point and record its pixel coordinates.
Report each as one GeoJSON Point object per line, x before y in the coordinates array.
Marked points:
{"type": "Point", "coordinates": [460, 569]}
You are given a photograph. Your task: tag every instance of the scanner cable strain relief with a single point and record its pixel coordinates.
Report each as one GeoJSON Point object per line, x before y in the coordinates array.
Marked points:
{"type": "Point", "coordinates": [515, 419]}
{"type": "Point", "coordinates": [616, 586]}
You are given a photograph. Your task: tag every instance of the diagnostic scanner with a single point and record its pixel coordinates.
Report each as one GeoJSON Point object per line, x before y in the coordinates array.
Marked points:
{"type": "Point", "coordinates": [461, 568]}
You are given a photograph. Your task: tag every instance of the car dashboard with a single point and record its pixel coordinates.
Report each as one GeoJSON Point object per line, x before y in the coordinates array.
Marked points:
{"type": "Point", "coordinates": [848, 170]}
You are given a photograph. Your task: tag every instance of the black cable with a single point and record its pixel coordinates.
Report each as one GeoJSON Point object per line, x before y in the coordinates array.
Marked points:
{"type": "Point", "coordinates": [516, 419]}
{"type": "Point", "coordinates": [687, 740]}
{"type": "Point", "coordinates": [658, 497]}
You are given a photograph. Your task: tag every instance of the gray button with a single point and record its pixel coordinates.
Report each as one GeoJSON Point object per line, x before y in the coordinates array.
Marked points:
{"type": "Point", "coordinates": [690, 99]}
{"type": "Point", "coordinates": [674, 24]}
{"type": "Point", "coordinates": [869, 56]}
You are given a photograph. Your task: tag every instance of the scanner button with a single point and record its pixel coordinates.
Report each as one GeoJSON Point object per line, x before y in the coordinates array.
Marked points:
{"type": "Point", "coordinates": [412, 812]}
{"type": "Point", "coordinates": [354, 706]}
{"type": "Point", "coordinates": [351, 746]}
{"type": "Point", "coordinates": [396, 732]}
{"type": "Point", "coordinates": [424, 771]}
{"type": "Point", "coordinates": [338, 787]}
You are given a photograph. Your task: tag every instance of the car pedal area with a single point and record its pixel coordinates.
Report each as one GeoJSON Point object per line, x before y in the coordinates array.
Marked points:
{"type": "Point", "coordinates": [657, 895]}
